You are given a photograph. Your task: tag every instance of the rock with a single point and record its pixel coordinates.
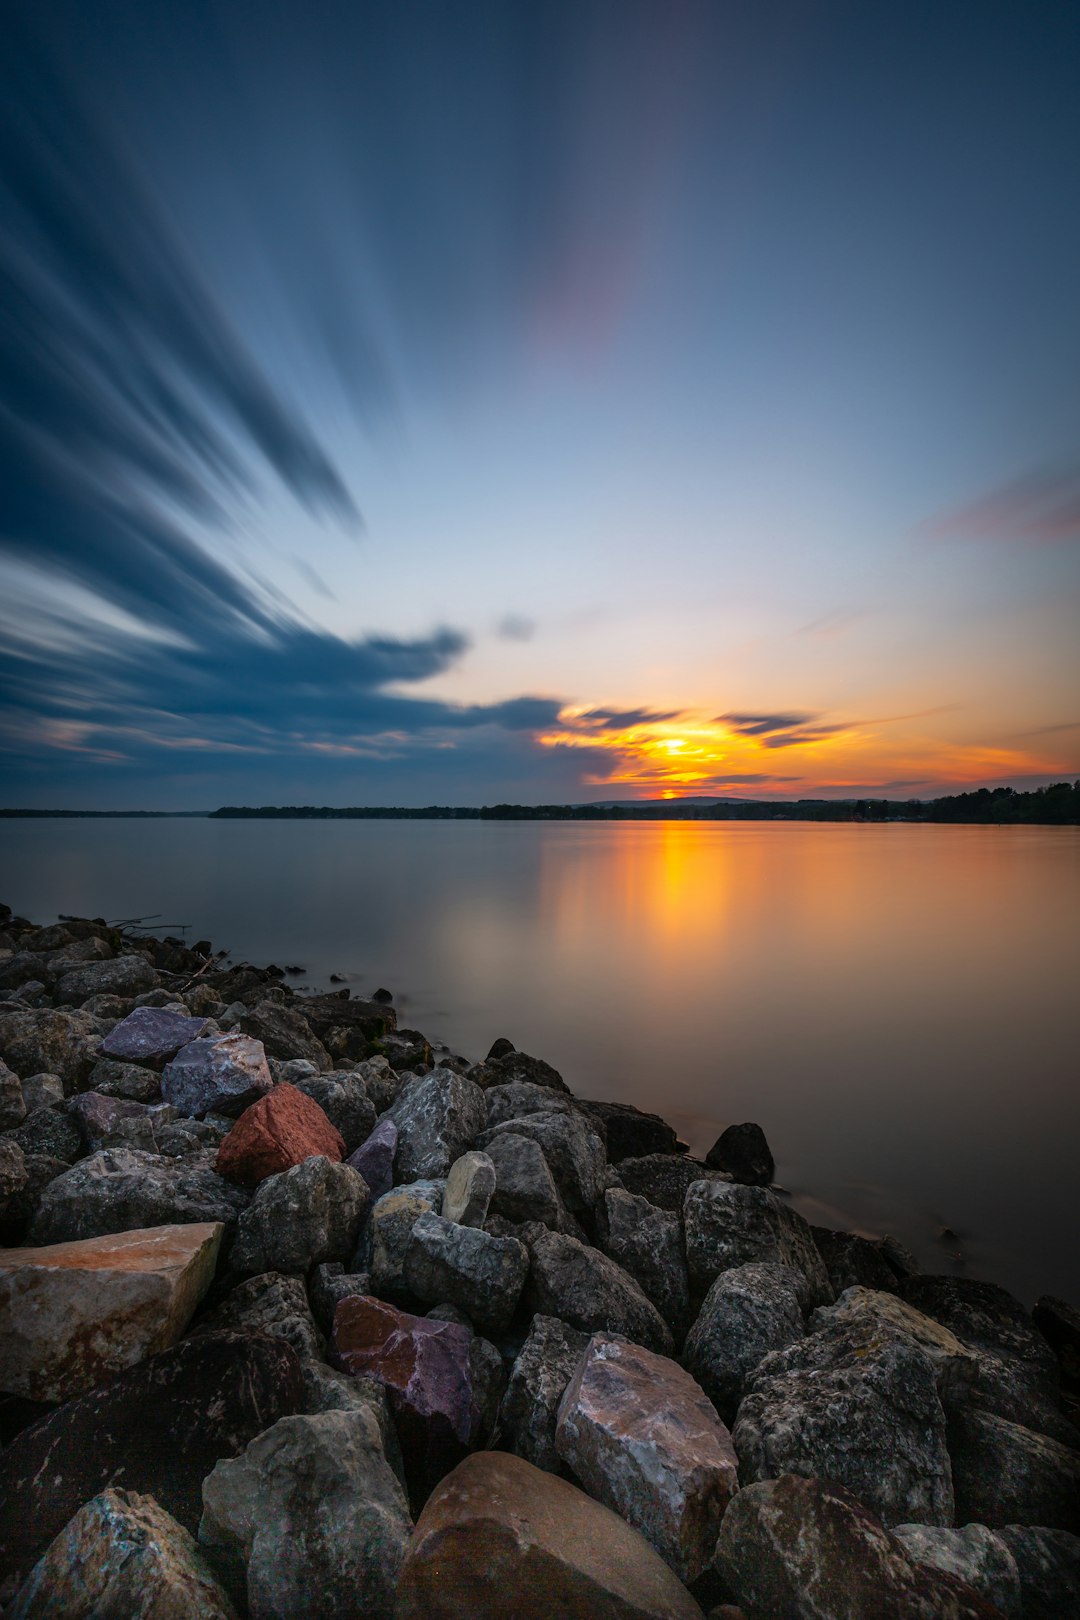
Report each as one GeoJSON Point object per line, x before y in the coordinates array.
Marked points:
{"type": "Point", "coordinates": [374, 1158]}
{"type": "Point", "coordinates": [583, 1287]}
{"type": "Point", "coordinates": [481, 1274]}
{"type": "Point", "coordinates": [119, 1190]}
{"type": "Point", "coordinates": [1048, 1567]}
{"type": "Point", "coordinates": [42, 1091]}
{"type": "Point", "coordinates": [159, 1427]}
{"type": "Point", "coordinates": [348, 1029]}
{"type": "Point", "coordinates": [300, 1218]}
{"type": "Point", "coordinates": [437, 1118]}
{"type": "Point", "coordinates": [328, 1390]}
{"type": "Point", "coordinates": [648, 1243]}
{"type": "Point", "coordinates": [51, 1131]}
{"type": "Point", "coordinates": [112, 1122]}
{"type": "Point", "coordinates": [982, 1315]}
{"type": "Point", "coordinates": [270, 1303]}
{"type": "Point", "coordinates": [124, 976]}
{"type": "Point", "coordinates": [13, 1105]}
{"type": "Point", "coordinates": [663, 1178]}
{"type": "Point", "coordinates": [122, 1554]}
{"type": "Point", "coordinates": [392, 1220]}
{"type": "Point", "coordinates": [728, 1224]}
{"type": "Point", "coordinates": [313, 1511]}
{"type": "Point", "coordinates": [216, 1074]}
{"type": "Point", "coordinates": [520, 1097]}
{"type": "Point", "coordinates": [748, 1312]}
{"type": "Point", "coordinates": [744, 1153]}
{"type": "Point", "coordinates": [974, 1555]}
{"type": "Point", "coordinates": [291, 1069]}
{"type": "Point", "coordinates": [114, 1079]}
{"type": "Point", "coordinates": [279, 1131]}
{"type": "Point", "coordinates": [628, 1133]}
{"type": "Point", "coordinates": [12, 1173]}
{"type": "Point", "coordinates": [344, 1100]}
{"type": "Point", "coordinates": [1059, 1324]}
{"type": "Point", "coordinates": [50, 1042]}
{"type": "Point", "coordinates": [502, 1540]}
{"type": "Point", "coordinates": [868, 1308]}
{"type": "Point", "coordinates": [1005, 1473]}
{"type": "Point", "coordinates": [525, 1189]}
{"type": "Point", "coordinates": [500, 1047]}
{"type": "Point", "coordinates": [182, 1137]}
{"type": "Point", "coordinates": [426, 1368]}
{"type": "Point", "coordinates": [807, 1549]}
{"type": "Point", "coordinates": [73, 1314]}
{"type": "Point", "coordinates": [151, 1036]}
{"type": "Point", "coordinates": [328, 1285]}
{"type": "Point", "coordinates": [469, 1187]}
{"type": "Point", "coordinates": [1018, 1391]}
{"type": "Point", "coordinates": [284, 1032]}
{"type": "Point", "coordinates": [511, 1066]}
{"type": "Point", "coordinates": [643, 1438]}
{"type": "Point", "coordinates": [529, 1409]}
{"type": "Point", "coordinates": [857, 1406]}
{"type": "Point", "coordinates": [18, 1207]}
{"type": "Point", "coordinates": [854, 1261]}
{"type": "Point", "coordinates": [382, 1083]}
{"type": "Point", "coordinates": [575, 1154]}
{"type": "Point", "coordinates": [488, 1372]}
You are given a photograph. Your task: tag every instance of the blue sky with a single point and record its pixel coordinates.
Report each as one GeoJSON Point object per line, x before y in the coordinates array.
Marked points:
{"type": "Point", "coordinates": [453, 402]}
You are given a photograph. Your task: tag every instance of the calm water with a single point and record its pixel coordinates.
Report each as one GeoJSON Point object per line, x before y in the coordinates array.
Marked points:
{"type": "Point", "coordinates": [897, 1006]}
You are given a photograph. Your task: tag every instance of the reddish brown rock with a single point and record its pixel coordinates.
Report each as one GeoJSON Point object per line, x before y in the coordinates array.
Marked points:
{"type": "Point", "coordinates": [502, 1540]}
{"type": "Point", "coordinates": [281, 1129]}
{"type": "Point", "coordinates": [74, 1314]}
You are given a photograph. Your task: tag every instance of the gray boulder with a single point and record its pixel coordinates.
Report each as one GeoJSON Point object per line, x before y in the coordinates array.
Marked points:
{"type": "Point", "coordinates": [438, 1116]}
{"type": "Point", "coordinates": [151, 1035]}
{"type": "Point", "coordinates": [518, 1097]}
{"type": "Point", "coordinates": [50, 1130]}
{"type": "Point", "coordinates": [314, 1513]}
{"type": "Point", "coordinates": [300, 1217]}
{"type": "Point", "coordinates": [270, 1303]}
{"type": "Point", "coordinates": [868, 1309]}
{"type": "Point", "coordinates": [112, 1122]}
{"type": "Point", "coordinates": [13, 1174]}
{"type": "Point", "coordinates": [50, 1041]}
{"type": "Point", "coordinates": [469, 1187]}
{"type": "Point", "coordinates": [124, 976]}
{"type": "Point", "coordinates": [393, 1217]}
{"type": "Point", "coordinates": [748, 1312]}
{"type": "Point", "coordinates": [648, 1243]}
{"type": "Point", "coordinates": [853, 1261]}
{"type": "Point", "coordinates": [663, 1178]}
{"type": "Point", "coordinates": [328, 1285]}
{"type": "Point", "coordinates": [525, 1189]}
{"type": "Point", "coordinates": [583, 1287]}
{"type": "Point", "coordinates": [217, 1074]}
{"type": "Point", "coordinates": [344, 1100]}
{"type": "Point", "coordinates": [743, 1151]}
{"type": "Point", "coordinates": [113, 1078]}
{"type": "Point", "coordinates": [729, 1225]}
{"type": "Point", "coordinates": [529, 1409]}
{"type": "Point", "coordinates": [119, 1190]}
{"type": "Point", "coordinates": [982, 1315]}
{"type": "Point", "coordinates": [42, 1091]}
{"type": "Point", "coordinates": [629, 1132]}
{"type": "Point", "coordinates": [285, 1033]}
{"type": "Point", "coordinates": [1048, 1567]}
{"type": "Point", "coordinates": [518, 1066]}
{"type": "Point", "coordinates": [973, 1554]}
{"type": "Point", "coordinates": [327, 1390]}
{"type": "Point", "coordinates": [574, 1152]}
{"type": "Point", "coordinates": [481, 1274]}
{"type": "Point", "coordinates": [12, 1101]}
{"type": "Point", "coordinates": [1005, 1473]}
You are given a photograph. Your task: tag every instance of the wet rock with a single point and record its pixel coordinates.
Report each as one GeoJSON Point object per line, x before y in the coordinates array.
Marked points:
{"type": "Point", "coordinates": [344, 1100]}
{"type": "Point", "coordinates": [1048, 1568]}
{"type": "Point", "coordinates": [374, 1158]}
{"type": "Point", "coordinates": [1005, 1473]}
{"type": "Point", "coordinates": [529, 1409]}
{"type": "Point", "coordinates": [392, 1220]}
{"type": "Point", "coordinates": [807, 1549]}
{"type": "Point", "coordinates": [728, 1224]}
{"type": "Point", "coordinates": [285, 1033]}
{"type": "Point", "coordinates": [481, 1274]}
{"type": "Point", "coordinates": [1059, 1324]}
{"type": "Point", "coordinates": [973, 1554]}
{"type": "Point", "coordinates": [42, 1091]}
{"type": "Point", "coordinates": [124, 976]}
{"type": "Point", "coordinates": [159, 1428]}
{"type": "Point", "coordinates": [122, 1554]}
{"type": "Point", "coordinates": [51, 1131]}
{"type": "Point", "coordinates": [574, 1153]}
{"type": "Point", "coordinates": [300, 1218]}
{"type": "Point", "coordinates": [112, 1078]}
{"type": "Point", "coordinates": [469, 1187]}
{"type": "Point", "coordinates": [217, 1074]}
{"type": "Point", "coordinates": [270, 1303]}
{"type": "Point", "coordinates": [643, 1438]}
{"type": "Point", "coordinates": [519, 1097]}
{"type": "Point", "coordinates": [50, 1042]}
{"type": "Point", "coordinates": [585, 1288]}
{"type": "Point", "coordinates": [648, 1243]}
{"type": "Point", "coordinates": [504, 1540]}
{"type": "Point", "coordinates": [73, 1314]}
{"type": "Point", "coordinates": [119, 1190]}
{"type": "Point", "coordinates": [312, 1510]}
{"type": "Point", "coordinates": [854, 1261]}
{"type": "Point", "coordinates": [12, 1100]}
{"type": "Point", "coordinates": [663, 1178]}
{"type": "Point", "coordinates": [744, 1153]}
{"type": "Point", "coordinates": [525, 1189]}
{"type": "Point", "coordinates": [982, 1315]}
{"type": "Point", "coordinates": [279, 1131]}
{"type": "Point", "coordinates": [437, 1118]}
{"type": "Point", "coordinates": [856, 1406]}
{"type": "Point", "coordinates": [627, 1132]}
{"type": "Point", "coordinates": [151, 1036]}
{"type": "Point", "coordinates": [748, 1312]}
{"type": "Point", "coordinates": [112, 1122]}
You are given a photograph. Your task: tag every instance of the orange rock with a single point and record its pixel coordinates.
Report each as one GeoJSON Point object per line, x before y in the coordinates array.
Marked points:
{"type": "Point", "coordinates": [282, 1129]}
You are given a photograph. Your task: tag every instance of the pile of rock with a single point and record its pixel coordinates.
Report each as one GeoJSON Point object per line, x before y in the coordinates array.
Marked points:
{"type": "Point", "coordinates": [302, 1315]}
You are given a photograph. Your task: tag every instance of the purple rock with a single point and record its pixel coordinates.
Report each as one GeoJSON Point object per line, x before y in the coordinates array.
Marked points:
{"type": "Point", "coordinates": [99, 1116]}
{"type": "Point", "coordinates": [218, 1074]}
{"type": "Point", "coordinates": [374, 1158]}
{"type": "Point", "coordinates": [151, 1035]}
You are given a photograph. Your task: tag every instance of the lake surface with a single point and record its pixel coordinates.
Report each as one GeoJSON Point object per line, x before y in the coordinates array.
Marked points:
{"type": "Point", "coordinates": [898, 1006]}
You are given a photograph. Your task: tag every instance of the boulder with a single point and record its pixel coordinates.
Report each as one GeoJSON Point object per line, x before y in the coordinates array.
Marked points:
{"type": "Point", "coordinates": [519, 1097]}
{"type": "Point", "coordinates": [1018, 1391]}
{"type": "Point", "coordinates": [282, 1129]}
{"type": "Point", "coordinates": [374, 1158]}
{"type": "Point", "coordinates": [525, 1189]}
{"type": "Point", "coordinates": [52, 1131]}
{"type": "Point", "coordinates": [123, 976]}
{"type": "Point", "coordinates": [392, 1220]}
{"type": "Point", "coordinates": [648, 1243]}
{"type": "Point", "coordinates": [216, 1074]}
{"type": "Point", "coordinates": [13, 1107]}
{"type": "Point", "coordinates": [271, 1303]}
{"type": "Point", "coordinates": [344, 1100]}
{"type": "Point", "coordinates": [50, 1042]}
{"type": "Point", "coordinates": [20, 1194]}
{"type": "Point", "coordinates": [488, 1372]}
{"type": "Point", "coordinates": [584, 1288]}
{"type": "Point", "coordinates": [1005, 1473]}
{"type": "Point", "coordinates": [728, 1224]}
{"type": "Point", "coordinates": [807, 1549]}
{"type": "Point", "coordinates": [663, 1178]}
{"type": "Point", "coordinates": [983, 1315]}
{"type": "Point", "coordinates": [111, 1078]}
{"type": "Point", "coordinates": [481, 1274]}
{"type": "Point", "coordinates": [437, 1118]}
{"type": "Point", "coordinates": [151, 1036]}
{"type": "Point", "coordinates": [529, 1410]}
{"type": "Point", "coordinates": [853, 1261]}
{"type": "Point", "coordinates": [300, 1218]}
{"type": "Point", "coordinates": [1048, 1569]}
{"type": "Point", "coordinates": [42, 1091]}
{"type": "Point", "coordinates": [329, 1390]}
{"type": "Point", "coordinates": [73, 1314]}
{"type": "Point", "coordinates": [1059, 1324]}
{"type": "Point", "coordinates": [973, 1554]}
{"type": "Point", "coordinates": [119, 1190]}
{"type": "Point", "coordinates": [182, 1137]}
{"type": "Point", "coordinates": [511, 1066]}
{"type": "Point", "coordinates": [159, 1428]}
{"type": "Point", "coordinates": [870, 1308]}
{"type": "Point", "coordinates": [284, 1032]}
{"type": "Point", "coordinates": [748, 1312]}
{"type": "Point", "coordinates": [859, 1407]}
{"type": "Point", "coordinates": [574, 1152]}
{"type": "Point", "coordinates": [628, 1133]}
{"type": "Point", "coordinates": [469, 1187]}
{"type": "Point", "coordinates": [122, 1554]}
{"type": "Point", "coordinates": [381, 1082]}
{"type": "Point", "coordinates": [643, 1438]}
{"type": "Point", "coordinates": [348, 1028]}
{"type": "Point", "coordinates": [506, 1541]}
{"type": "Point", "coordinates": [112, 1122]}
{"type": "Point", "coordinates": [742, 1150]}
{"type": "Point", "coordinates": [12, 1174]}
{"type": "Point", "coordinates": [312, 1512]}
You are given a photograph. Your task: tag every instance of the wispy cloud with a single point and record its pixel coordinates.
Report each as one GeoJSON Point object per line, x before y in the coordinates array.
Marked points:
{"type": "Point", "coordinates": [781, 730]}
{"type": "Point", "coordinates": [1040, 508]}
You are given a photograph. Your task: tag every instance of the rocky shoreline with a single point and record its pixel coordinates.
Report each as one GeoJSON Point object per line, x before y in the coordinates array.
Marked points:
{"type": "Point", "coordinates": [302, 1315]}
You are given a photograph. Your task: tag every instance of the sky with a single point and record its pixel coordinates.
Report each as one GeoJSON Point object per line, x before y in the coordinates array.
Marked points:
{"type": "Point", "coordinates": [418, 402]}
